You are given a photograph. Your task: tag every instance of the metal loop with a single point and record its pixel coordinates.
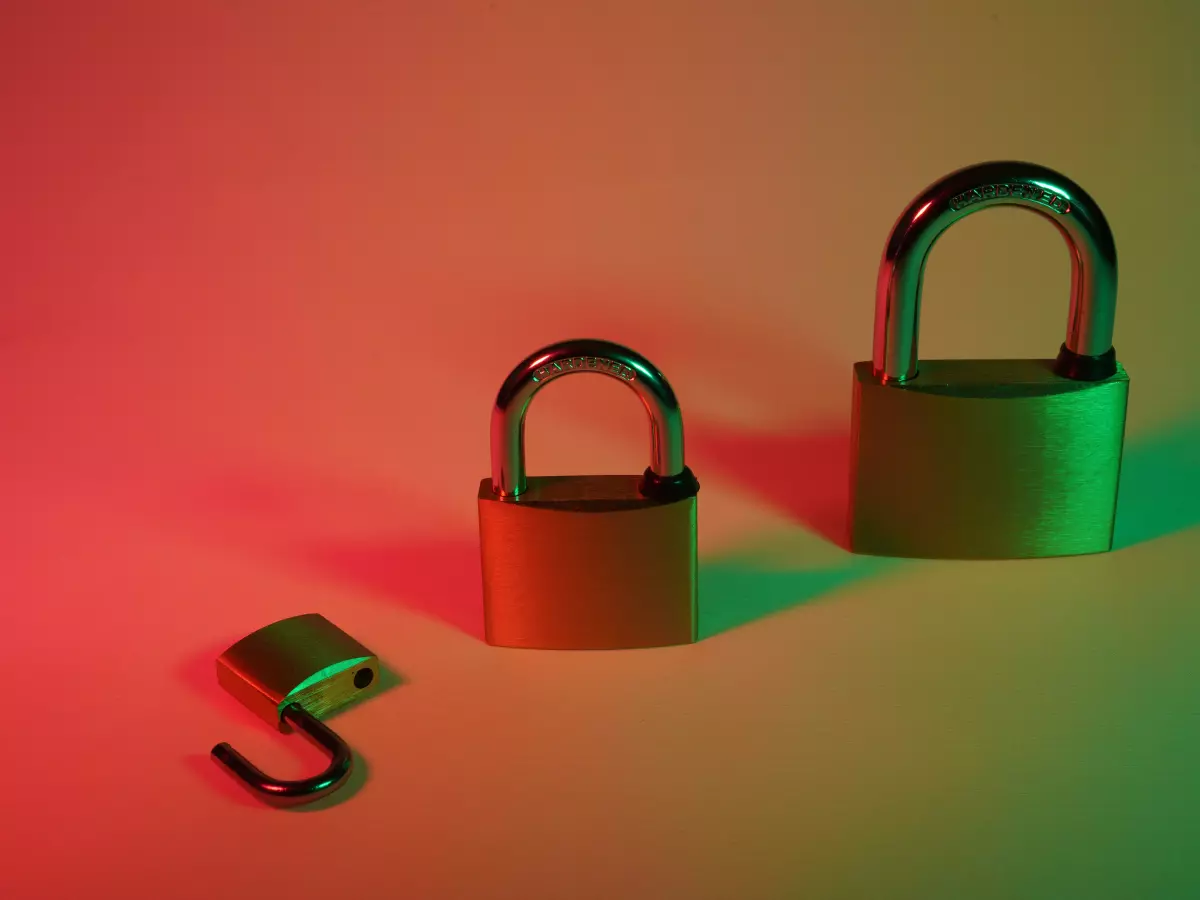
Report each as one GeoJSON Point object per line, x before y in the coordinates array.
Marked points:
{"type": "Point", "coordinates": [306, 789]}
{"type": "Point", "coordinates": [582, 355]}
{"type": "Point", "coordinates": [1053, 195]}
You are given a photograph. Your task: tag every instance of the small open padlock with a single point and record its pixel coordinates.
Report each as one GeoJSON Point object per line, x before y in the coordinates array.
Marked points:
{"type": "Point", "coordinates": [588, 562]}
{"type": "Point", "coordinates": [294, 671]}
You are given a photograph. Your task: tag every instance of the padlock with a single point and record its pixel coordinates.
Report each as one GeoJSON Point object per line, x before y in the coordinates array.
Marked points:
{"type": "Point", "coordinates": [291, 673]}
{"type": "Point", "coordinates": [990, 459]}
{"type": "Point", "coordinates": [588, 562]}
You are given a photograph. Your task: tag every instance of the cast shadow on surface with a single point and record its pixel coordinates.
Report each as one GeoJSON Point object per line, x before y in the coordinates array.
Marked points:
{"type": "Point", "coordinates": [1160, 485]}
{"type": "Point", "coordinates": [742, 587]}
{"type": "Point", "coordinates": [439, 579]}
{"type": "Point", "coordinates": [807, 477]}
{"type": "Point", "coordinates": [804, 474]}
{"type": "Point", "coordinates": [288, 520]}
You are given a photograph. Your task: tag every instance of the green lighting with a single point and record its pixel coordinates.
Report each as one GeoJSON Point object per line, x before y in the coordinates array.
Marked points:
{"type": "Point", "coordinates": [327, 672]}
{"type": "Point", "coordinates": [1054, 189]}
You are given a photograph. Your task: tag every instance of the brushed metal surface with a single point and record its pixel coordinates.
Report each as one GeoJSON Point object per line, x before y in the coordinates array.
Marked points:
{"type": "Point", "coordinates": [985, 459]}
{"type": "Point", "coordinates": [305, 659]}
{"type": "Point", "coordinates": [586, 562]}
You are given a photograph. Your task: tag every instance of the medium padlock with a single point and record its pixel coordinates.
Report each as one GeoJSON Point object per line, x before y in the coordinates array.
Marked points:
{"type": "Point", "coordinates": [588, 562]}
{"type": "Point", "coordinates": [290, 673]}
{"type": "Point", "coordinates": [990, 459]}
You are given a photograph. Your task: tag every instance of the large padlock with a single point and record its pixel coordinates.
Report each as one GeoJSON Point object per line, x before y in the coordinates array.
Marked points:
{"type": "Point", "coordinates": [292, 672]}
{"type": "Point", "coordinates": [990, 459]}
{"type": "Point", "coordinates": [588, 562]}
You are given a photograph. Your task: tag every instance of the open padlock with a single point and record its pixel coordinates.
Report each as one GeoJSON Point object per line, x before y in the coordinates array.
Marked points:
{"type": "Point", "coordinates": [295, 671]}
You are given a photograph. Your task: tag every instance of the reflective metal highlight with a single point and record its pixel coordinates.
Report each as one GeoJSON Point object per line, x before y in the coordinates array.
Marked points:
{"type": "Point", "coordinates": [565, 358]}
{"type": "Point", "coordinates": [305, 789]}
{"type": "Point", "coordinates": [1076, 215]}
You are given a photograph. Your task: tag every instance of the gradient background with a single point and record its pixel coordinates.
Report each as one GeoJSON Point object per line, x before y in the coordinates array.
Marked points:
{"type": "Point", "coordinates": [265, 266]}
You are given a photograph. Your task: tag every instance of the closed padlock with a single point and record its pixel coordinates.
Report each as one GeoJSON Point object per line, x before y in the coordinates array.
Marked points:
{"type": "Point", "coordinates": [990, 459]}
{"type": "Point", "coordinates": [588, 562]}
{"type": "Point", "coordinates": [292, 672]}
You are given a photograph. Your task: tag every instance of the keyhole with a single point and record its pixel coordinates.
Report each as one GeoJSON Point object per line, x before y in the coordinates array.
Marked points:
{"type": "Point", "coordinates": [363, 677]}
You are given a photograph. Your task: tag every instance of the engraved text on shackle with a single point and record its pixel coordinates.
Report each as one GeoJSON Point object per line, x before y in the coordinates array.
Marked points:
{"type": "Point", "coordinates": [1038, 195]}
{"type": "Point", "coordinates": [577, 363]}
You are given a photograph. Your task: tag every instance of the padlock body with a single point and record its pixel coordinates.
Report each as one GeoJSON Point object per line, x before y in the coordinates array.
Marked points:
{"type": "Point", "coordinates": [587, 563]}
{"type": "Point", "coordinates": [985, 459]}
{"type": "Point", "coordinates": [305, 660]}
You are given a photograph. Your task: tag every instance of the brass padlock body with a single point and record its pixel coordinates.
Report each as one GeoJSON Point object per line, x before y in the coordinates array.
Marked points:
{"type": "Point", "coordinates": [586, 562]}
{"type": "Point", "coordinates": [305, 660]}
{"type": "Point", "coordinates": [985, 459]}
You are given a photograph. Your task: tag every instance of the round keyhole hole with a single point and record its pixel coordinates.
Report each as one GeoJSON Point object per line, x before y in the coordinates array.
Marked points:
{"type": "Point", "coordinates": [363, 677]}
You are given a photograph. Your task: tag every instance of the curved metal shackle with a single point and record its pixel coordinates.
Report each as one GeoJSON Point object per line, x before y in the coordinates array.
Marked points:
{"type": "Point", "coordinates": [1087, 353]}
{"type": "Point", "coordinates": [306, 789]}
{"type": "Point", "coordinates": [584, 355]}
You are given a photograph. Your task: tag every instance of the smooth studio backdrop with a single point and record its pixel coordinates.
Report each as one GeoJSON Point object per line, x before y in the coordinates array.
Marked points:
{"type": "Point", "coordinates": [265, 266]}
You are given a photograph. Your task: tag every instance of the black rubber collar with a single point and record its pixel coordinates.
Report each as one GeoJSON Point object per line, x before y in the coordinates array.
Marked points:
{"type": "Point", "coordinates": [1086, 368]}
{"type": "Point", "coordinates": [670, 488]}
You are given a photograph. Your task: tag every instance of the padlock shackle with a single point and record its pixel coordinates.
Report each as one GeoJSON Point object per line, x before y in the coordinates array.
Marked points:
{"type": "Point", "coordinates": [584, 355]}
{"type": "Point", "coordinates": [306, 789]}
{"type": "Point", "coordinates": [1087, 352]}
